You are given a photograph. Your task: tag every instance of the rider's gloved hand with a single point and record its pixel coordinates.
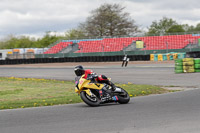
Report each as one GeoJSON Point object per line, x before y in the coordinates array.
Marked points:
{"type": "Point", "coordinates": [94, 75]}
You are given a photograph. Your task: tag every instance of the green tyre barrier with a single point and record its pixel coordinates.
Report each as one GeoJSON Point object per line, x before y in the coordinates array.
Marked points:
{"type": "Point", "coordinates": [178, 63]}
{"type": "Point", "coordinates": [178, 71]}
{"type": "Point", "coordinates": [179, 67]}
{"type": "Point", "coordinates": [196, 61]}
{"type": "Point", "coordinates": [197, 66]}
{"type": "Point", "coordinates": [197, 70]}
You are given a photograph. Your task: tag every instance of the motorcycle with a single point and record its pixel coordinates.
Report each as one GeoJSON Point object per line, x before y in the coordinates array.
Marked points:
{"type": "Point", "coordinates": [94, 93]}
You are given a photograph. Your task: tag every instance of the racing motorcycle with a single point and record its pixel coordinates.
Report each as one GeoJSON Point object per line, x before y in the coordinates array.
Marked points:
{"type": "Point", "coordinates": [94, 93]}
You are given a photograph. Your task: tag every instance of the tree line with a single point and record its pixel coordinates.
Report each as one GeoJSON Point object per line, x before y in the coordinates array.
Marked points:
{"type": "Point", "coordinates": [108, 20]}
{"type": "Point", "coordinates": [28, 42]}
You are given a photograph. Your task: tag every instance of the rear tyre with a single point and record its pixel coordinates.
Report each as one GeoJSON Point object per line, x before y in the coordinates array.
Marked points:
{"type": "Point", "coordinates": [123, 97]}
{"type": "Point", "coordinates": [91, 101]}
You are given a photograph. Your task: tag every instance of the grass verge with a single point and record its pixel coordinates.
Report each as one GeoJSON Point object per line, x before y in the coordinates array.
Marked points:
{"type": "Point", "coordinates": [32, 92]}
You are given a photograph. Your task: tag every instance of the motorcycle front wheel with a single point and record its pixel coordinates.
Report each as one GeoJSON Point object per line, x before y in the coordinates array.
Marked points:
{"type": "Point", "coordinates": [91, 101]}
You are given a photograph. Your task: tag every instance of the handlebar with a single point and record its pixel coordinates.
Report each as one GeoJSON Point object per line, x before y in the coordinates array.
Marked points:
{"type": "Point", "coordinates": [92, 76]}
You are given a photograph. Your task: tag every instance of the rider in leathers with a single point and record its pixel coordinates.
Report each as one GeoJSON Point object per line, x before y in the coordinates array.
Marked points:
{"type": "Point", "coordinates": [79, 71]}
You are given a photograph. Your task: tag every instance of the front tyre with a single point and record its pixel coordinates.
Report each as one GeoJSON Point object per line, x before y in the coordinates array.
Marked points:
{"type": "Point", "coordinates": [123, 97]}
{"type": "Point", "coordinates": [91, 101]}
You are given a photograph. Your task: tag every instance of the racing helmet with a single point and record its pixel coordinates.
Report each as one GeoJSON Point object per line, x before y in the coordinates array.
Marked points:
{"type": "Point", "coordinates": [79, 70]}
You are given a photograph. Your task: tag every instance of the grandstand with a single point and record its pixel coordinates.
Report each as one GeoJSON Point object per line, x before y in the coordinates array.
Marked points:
{"type": "Point", "coordinates": [119, 44]}
{"type": "Point", "coordinates": [57, 48]}
{"type": "Point", "coordinates": [107, 49]}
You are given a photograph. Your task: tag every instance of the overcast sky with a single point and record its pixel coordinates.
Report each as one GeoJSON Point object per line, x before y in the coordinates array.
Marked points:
{"type": "Point", "coordinates": [35, 17]}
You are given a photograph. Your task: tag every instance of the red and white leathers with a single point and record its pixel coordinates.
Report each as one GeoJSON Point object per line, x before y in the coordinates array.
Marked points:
{"type": "Point", "coordinates": [100, 78]}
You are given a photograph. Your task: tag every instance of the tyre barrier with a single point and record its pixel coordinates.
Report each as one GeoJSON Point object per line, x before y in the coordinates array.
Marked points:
{"type": "Point", "coordinates": [75, 59]}
{"type": "Point", "coordinates": [193, 54]}
{"type": "Point", "coordinates": [197, 65]}
{"type": "Point", "coordinates": [168, 56]}
{"type": "Point", "coordinates": [178, 66]}
{"type": "Point", "coordinates": [187, 65]}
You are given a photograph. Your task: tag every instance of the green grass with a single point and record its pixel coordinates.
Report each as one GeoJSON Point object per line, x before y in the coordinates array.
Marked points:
{"type": "Point", "coordinates": [142, 90]}
{"type": "Point", "coordinates": [31, 92]}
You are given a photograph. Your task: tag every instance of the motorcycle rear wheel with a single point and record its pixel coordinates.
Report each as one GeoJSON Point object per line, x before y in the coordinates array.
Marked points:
{"type": "Point", "coordinates": [123, 96]}
{"type": "Point", "coordinates": [93, 102]}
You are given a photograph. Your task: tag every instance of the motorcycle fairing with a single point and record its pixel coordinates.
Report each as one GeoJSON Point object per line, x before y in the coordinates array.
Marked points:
{"type": "Point", "coordinates": [86, 85]}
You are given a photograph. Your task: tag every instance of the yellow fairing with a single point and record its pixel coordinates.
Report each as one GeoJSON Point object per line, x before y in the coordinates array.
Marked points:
{"type": "Point", "coordinates": [86, 85]}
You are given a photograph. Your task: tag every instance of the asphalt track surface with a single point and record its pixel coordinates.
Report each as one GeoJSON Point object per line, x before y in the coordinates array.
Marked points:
{"type": "Point", "coordinates": [177, 112]}
{"type": "Point", "coordinates": [155, 74]}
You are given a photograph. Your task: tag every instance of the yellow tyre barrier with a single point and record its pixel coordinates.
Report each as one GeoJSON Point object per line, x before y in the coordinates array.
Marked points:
{"type": "Point", "coordinates": [189, 63]}
{"type": "Point", "coordinates": [191, 70]}
{"type": "Point", "coordinates": [187, 59]}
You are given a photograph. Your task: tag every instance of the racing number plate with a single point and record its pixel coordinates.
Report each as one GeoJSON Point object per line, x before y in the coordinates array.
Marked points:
{"type": "Point", "coordinates": [81, 82]}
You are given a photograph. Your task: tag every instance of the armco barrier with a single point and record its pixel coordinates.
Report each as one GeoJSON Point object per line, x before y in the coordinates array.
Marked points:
{"type": "Point", "coordinates": [76, 59]}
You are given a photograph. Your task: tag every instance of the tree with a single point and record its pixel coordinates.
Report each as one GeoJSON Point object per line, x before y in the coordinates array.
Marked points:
{"type": "Point", "coordinates": [191, 28]}
{"type": "Point", "coordinates": [109, 20]}
{"type": "Point", "coordinates": [175, 29]}
{"type": "Point", "coordinates": [46, 40]}
{"type": "Point", "coordinates": [165, 25]}
{"type": "Point", "coordinates": [197, 28]}
{"type": "Point", "coordinates": [27, 42]}
{"type": "Point", "coordinates": [74, 34]}
{"type": "Point", "coordinates": [188, 28]}
{"type": "Point", "coordinates": [16, 42]}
